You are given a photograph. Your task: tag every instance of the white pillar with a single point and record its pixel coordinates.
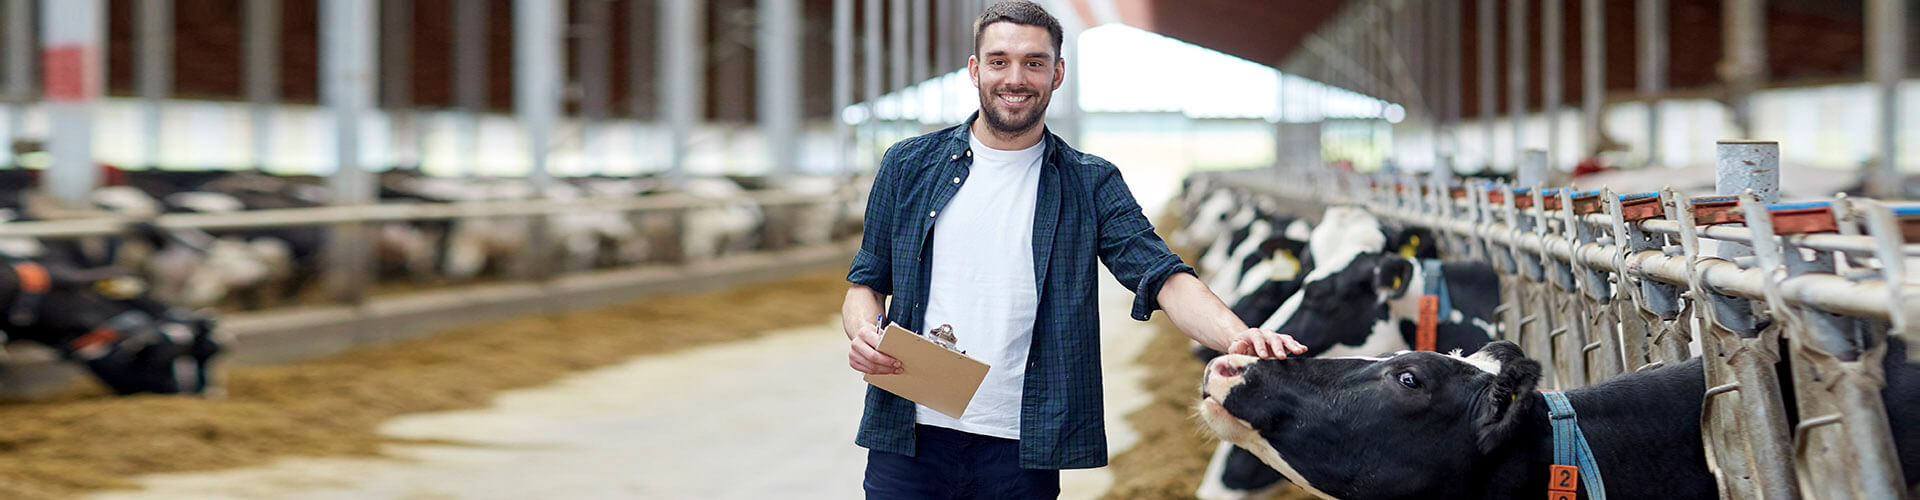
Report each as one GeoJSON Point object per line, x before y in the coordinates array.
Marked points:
{"type": "Point", "coordinates": [347, 76]}
{"type": "Point", "coordinates": [780, 83]}
{"type": "Point", "coordinates": [262, 74]}
{"type": "Point", "coordinates": [842, 84]}
{"type": "Point", "coordinates": [682, 52]}
{"type": "Point", "coordinates": [470, 79]}
{"type": "Point", "coordinates": [155, 74]}
{"type": "Point", "coordinates": [73, 72]}
{"type": "Point", "coordinates": [537, 63]}
{"type": "Point", "coordinates": [18, 79]}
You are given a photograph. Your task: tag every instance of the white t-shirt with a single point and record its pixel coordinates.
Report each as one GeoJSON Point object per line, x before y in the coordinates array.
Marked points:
{"type": "Point", "coordinates": [983, 283]}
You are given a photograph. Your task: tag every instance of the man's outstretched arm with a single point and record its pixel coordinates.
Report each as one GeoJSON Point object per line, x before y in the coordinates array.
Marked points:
{"type": "Point", "coordinates": [1199, 314]}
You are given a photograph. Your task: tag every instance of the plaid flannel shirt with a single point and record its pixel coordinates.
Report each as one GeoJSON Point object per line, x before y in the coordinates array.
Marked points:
{"type": "Point", "coordinates": [1083, 211]}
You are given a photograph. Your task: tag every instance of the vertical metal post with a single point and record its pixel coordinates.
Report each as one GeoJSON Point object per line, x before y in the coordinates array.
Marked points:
{"type": "Point", "coordinates": [1744, 68]}
{"type": "Point", "coordinates": [596, 80]}
{"type": "Point", "coordinates": [263, 74]}
{"type": "Point", "coordinates": [921, 32]}
{"type": "Point", "coordinates": [898, 47]}
{"type": "Point", "coordinates": [1489, 110]}
{"type": "Point", "coordinates": [470, 82]}
{"type": "Point", "coordinates": [74, 67]}
{"type": "Point", "coordinates": [347, 84]}
{"type": "Point", "coordinates": [1886, 63]}
{"type": "Point", "coordinates": [1517, 76]}
{"type": "Point", "coordinates": [1455, 75]}
{"type": "Point", "coordinates": [780, 82]}
{"type": "Point", "coordinates": [1593, 75]}
{"type": "Point", "coordinates": [640, 66]}
{"type": "Point", "coordinates": [18, 47]}
{"type": "Point", "coordinates": [156, 74]}
{"type": "Point", "coordinates": [842, 84]}
{"type": "Point", "coordinates": [872, 56]}
{"type": "Point", "coordinates": [1653, 68]}
{"type": "Point", "coordinates": [396, 80]}
{"type": "Point", "coordinates": [1743, 165]}
{"type": "Point", "coordinates": [537, 63]}
{"type": "Point", "coordinates": [1553, 72]}
{"type": "Point", "coordinates": [682, 50]}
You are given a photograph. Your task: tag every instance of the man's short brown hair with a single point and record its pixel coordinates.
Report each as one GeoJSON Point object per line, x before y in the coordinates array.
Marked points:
{"type": "Point", "coordinates": [1021, 12]}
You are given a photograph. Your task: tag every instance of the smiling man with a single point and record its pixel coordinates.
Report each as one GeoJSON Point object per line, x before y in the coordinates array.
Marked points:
{"type": "Point", "coordinates": [994, 226]}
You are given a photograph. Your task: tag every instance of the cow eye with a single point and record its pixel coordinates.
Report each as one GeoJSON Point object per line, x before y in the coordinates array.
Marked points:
{"type": "Point", "coordinates": [1406, 379]}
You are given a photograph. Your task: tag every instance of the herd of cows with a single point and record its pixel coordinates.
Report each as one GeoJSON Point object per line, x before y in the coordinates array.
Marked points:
{"type": "Point", "coordinates": [1405, 391]}
{"type": "Point", "coordinates": [134, 307]}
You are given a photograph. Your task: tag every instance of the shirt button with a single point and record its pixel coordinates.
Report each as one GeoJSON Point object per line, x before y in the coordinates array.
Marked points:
{"type": "Point", "coordinates": [931, 214]}
{"type": "Point", "coordinates": [955, 157]}
{"type": "Point", "coordinates": [969, 153]}
{"type": "Point", "coordinates": [956, 180]}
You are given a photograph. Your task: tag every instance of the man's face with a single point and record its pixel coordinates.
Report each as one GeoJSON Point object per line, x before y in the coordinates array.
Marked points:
{"type": "Point", "coordinates": [1016, 72]}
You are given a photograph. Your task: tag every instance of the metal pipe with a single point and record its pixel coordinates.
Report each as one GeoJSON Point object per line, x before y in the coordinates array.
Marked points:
{"type": "Point", "coordinates": [1653, 68]}
{"type": "Point", "coordinates": [1744, 68]}
{"type": "Point", "coordinates": [263, 75]}
{"type": "Point", "coordinates": [842, 84]}
{"type": "Point", "coordinates": [155, 74]}
{"type": "Point", "coordinates": [74, 70]}
{"type": "Point", "coordinates": [347, 69]}
{"type": "Point", "coordinates": [470, 84]}
{"type": "Point", "coordinates": [918, 63]}
{"type": "Point", "coordinates": [1593, 86]}
{"type": "Point", "coordinates": [1553, 51]}
{"type": "Point", "coordinates": [780, 83]}
{"type": "Point", "coordinates": [18, 52]}
{"type": "Point", "coordinates": [1489, 110]}
{"type": "Point", "coordinates": [1517, 75]}
{"type": "Point", "coordinates": [595, 80]}
{"type": "Point", "coordinates": [396, 81]}
{"type": "Point", "coordinates": [683, 48]}
{"type": "Point", "coordinates": [897, 28]}
{"type": "Point", "coordinates": [1887, 64]}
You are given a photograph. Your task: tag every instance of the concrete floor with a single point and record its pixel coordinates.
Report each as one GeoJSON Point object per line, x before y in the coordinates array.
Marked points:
{"type": "Point", "coordinates": [767, 418]}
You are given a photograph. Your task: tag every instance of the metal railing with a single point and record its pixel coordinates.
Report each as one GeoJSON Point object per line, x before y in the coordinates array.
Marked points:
{"type": "Point", "coordinates": [1596, 284]}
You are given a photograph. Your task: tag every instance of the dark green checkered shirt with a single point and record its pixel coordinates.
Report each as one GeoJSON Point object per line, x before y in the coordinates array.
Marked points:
{"type": "Point", "coordinates": [1083, 211]}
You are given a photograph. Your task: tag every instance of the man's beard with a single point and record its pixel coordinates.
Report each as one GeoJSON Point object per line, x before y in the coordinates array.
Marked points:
{"type": "Point", "coordinates": [1002, 124]}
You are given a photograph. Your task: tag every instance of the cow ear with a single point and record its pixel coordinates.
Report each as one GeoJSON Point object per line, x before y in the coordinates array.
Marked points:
{"type": "Point", "coordinates": [1500, 414]}
{"type": "Point", "coordinates": [1393, 274]}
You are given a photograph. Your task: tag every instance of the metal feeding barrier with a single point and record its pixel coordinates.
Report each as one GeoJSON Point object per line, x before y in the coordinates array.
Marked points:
{"type": "Point", "coordinates": [1595, 284]}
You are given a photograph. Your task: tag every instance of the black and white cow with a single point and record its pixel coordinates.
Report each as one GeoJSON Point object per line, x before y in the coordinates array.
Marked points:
{"type": "Point", "coordinates": [1432, 425]}
{"type": "Point", "coordinates": [130, 342]}
{"type": "Point", "coordinates": [1362, 297]}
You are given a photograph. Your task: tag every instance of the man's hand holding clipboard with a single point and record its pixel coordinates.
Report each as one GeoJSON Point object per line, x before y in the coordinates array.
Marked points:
{"type": "Point", "coordinates": [930, 374]}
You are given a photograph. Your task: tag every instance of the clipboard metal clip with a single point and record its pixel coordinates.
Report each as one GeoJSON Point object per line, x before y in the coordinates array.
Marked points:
{"type": "Point", "coordinates": [943, 335]}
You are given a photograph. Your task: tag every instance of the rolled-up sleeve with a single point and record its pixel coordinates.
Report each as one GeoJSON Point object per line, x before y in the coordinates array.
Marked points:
{"type": "Point", "coordinates": [1128, 246]}
{"type": "Point", "coordinates": [873, 265]}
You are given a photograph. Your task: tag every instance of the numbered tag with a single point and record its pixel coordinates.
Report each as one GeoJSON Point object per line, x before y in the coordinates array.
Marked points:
{"type": "Point", "coordinates": [1563, 478]}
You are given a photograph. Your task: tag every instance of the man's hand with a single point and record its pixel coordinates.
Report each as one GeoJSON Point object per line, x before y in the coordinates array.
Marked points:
{"type": "Point", "coordinates": [864, 354]}
{"type": "Point", "coordinates": [1264, 343]}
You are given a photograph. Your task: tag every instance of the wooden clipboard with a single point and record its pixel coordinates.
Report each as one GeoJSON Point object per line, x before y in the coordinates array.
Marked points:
{"type": "Point", "coordinates": [931, 375]}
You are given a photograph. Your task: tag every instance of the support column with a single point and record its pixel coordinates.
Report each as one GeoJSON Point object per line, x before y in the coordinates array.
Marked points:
{"type": "Point", "coordinates": [872, 56]}
{"type": "Point", "coordinates": [347, 68]}
{"type": "Point", "coordinates": [1489, 109]}
{"type": "Point", "coordinates": [18, 46]}
{"type": "Point", "coordinates": [1653, 68]}
{"type": "Point", "coordinates": [1553, 73]}
{"type": "Point", "coordinates": [263, 75]}
{"type": "Point", "coordinates": [470, 83]}
{"type": "Point", "coordinates": [1745, 68]}
{"type": "Point", "coordinates": [780, 83]}
{"type": "Point", "coordinates": [538, 76]}
{"type": "Point", "coordinates": [74, 70]}
{"type": "Point", "coordinates": [682, 53]}
{"type": "Point", "coordinates": [396, 80]}
{"type": "Point", "coordinates": [1886, 63]}
{"type": "Point", "coordinates": [642, 105]}
{"type": "Point", "coordinates": [595, 51]}
{"type": "Point", "coordinates": [898, 49]}
{"type": "Point", "coordinates": [842, 85]}
{"type": "Point", "coordinates": [1593, 74]}
{"type": "Point", "coordinates": [1517, 76]}
{"type": "Point", "coordinates": [155, 74]}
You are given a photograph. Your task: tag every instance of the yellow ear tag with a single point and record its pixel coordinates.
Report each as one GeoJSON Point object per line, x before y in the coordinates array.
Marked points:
{"type": "Point", "coordinates": [1413, 242]}
{"type": "Point", "coordinates": [1396, 282]}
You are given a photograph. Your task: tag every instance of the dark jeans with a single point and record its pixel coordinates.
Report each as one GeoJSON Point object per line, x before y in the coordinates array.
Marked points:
{"type": "Point", "coordinates": [954, 464]}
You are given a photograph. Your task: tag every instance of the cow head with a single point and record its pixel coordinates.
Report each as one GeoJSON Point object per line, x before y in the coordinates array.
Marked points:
{"type": "Point", "coordinates": [130, 342]}
{"type": "Point", "coordinates": [1411, 425]}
